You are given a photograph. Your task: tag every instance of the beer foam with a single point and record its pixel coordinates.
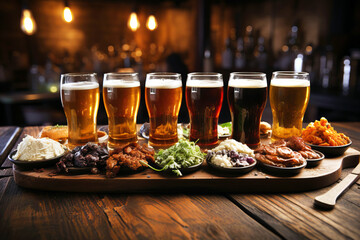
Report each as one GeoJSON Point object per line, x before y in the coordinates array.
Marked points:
{"type": "Point", "coordinates": [204, 84]}
{"type": "Point", "coordinates": [163, 83]}
{"type": "Point", "coordinates": [288, 82]}
{"type": "Point", "coordinates": [121, 84]}
{"type": "Point", "coordinates": [247, 83]}
{"type": "Point", "coordinates": [80, 86]}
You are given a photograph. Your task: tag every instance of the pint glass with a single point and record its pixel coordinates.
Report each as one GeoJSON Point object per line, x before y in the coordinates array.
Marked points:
{"type": "Point", "coordinates": [80, 100]}
{"type": "Point", "coordinates": [121, 95]}
{"type": "Point", "coordinates": [204, 96]}
{"type": "Point", "coordinates": [247, 94]}
{"type": "Point", "coordinates": [289, 97]}
{"type": "Point", "coordinates": [163, 93]}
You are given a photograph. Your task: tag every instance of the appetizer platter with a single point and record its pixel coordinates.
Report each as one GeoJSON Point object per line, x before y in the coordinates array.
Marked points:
{"type": "Point", "coordinates": [229, 167]}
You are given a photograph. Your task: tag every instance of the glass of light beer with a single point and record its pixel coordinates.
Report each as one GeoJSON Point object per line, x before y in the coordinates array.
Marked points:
{"type": "Point", "coordinates": [204, 96]}
{"type": "Point", "coordinates": [163, 94]}
{"type": "Point", "coordinates": [121, 95]}
{"type": "Point", "coordinates": [247, 92]}
{"type": "Point", "coordinates": [80, 100]}
{"type": "Point", "coordinates": [289, 97]}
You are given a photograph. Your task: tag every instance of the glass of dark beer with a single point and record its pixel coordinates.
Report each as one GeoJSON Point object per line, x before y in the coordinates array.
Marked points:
{"type": "Point", "coordinates": [204, 96]}
{"type": "Point", "coordinates": [247, 92]}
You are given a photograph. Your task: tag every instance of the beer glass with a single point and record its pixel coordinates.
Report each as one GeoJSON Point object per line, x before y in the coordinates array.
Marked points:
{"type": "Point", "coordinates": [289, 97]}
{"type": "Point", "coordinates": [163, 93]}
{"type": "Point", "coordinates": [121, 95]}
{"type": "Point", "coordinates": [247, 94]}
{"type": "Point", "coordinates": [80, 100]}
{"type": "Point", "coordinates": [204, 96]}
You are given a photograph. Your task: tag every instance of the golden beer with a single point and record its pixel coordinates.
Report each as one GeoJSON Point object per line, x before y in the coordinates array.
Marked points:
{"type": "Point", "coordinates": [121, 100]}
{"type": "Point", "coordinates": [288, 99]}
{"type": "Point", "coordinates": [204, 99]}
{"type": "Point", "coordinates": [163, 100]}
{"type": "Point", "coordinates": [80, 101]}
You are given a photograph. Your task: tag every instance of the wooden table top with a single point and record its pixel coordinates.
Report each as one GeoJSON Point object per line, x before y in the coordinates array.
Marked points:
{"type": "Point", "coordinates": [34, 214]}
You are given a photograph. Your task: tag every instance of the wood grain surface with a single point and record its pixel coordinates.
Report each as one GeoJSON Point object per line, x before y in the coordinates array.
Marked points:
{"type": "Point", "coordinates": [39, 215]}
{"type": "Point", "coordinates": [29, 214]}
{"type": "Point", "coordinates": [8, 136]}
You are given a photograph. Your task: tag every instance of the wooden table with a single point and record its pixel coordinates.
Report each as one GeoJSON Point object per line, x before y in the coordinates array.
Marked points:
{"type": "Point", "coordinates": [30, 214]}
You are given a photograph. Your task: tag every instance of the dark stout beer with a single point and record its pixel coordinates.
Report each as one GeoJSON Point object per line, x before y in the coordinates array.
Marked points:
{"type": "Point", "coordinates": [247, 99]}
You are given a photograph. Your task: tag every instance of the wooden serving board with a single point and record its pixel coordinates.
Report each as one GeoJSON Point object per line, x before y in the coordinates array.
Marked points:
{"type": "Point", "coordinates": [203, 180]}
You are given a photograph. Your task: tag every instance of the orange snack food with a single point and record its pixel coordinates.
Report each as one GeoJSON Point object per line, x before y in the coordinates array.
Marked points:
{"type": "Point", "coordinates": [323, 134]}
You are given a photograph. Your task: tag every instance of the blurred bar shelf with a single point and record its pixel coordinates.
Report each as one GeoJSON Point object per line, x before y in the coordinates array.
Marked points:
{"type": "Point", "coordinates": [13, 103]}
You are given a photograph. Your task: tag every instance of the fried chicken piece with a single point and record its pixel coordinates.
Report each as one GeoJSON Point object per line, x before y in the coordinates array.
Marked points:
{"type": "Point", "coordinates": [129, 156]}
{"type": "Point", "coordinates": [279, 143]}
{"type": "Point", "coordinates": [296, 143]}
{"type": "Point", "coordinates": [284, 152]}
{"type": "Point", "coordinates": [260, 149]}
{"type": "Point", "coordinates": [270, 150]}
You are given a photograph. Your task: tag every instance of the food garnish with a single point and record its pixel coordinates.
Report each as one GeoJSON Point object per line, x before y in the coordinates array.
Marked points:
{"type": "Point", "coordinates": [90, 155]}
{"type": "Point", "coordinates": [183, 154]}
{"type": "Point", "coordinates": [290, 152]}
{"type": "Point", "coordinates": [323, 134]}
{"type": "Point", "coordinates": [58, 133]}
{"type": "Point", "coordinates": [224, 129]}
{"type": "Point", "coordinates": [130, 156]}
{"type": "Point", "coordinates": [265, 128]}
{"type": "Point", "coordinates": [34, 149]}
{"type": "Point", "coordinates": [231, 153]}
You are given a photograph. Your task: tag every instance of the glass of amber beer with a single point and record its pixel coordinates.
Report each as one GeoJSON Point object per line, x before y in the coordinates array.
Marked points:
{"type": "Point", "coordinates": [204, 96]}
{"type": "Point", "coordinates": [247, 92]}
{"type": "Point", "coordinates": [121, 95]}
{"type": "Point", "coordinates": [289, 97]}
{"type": "Point", "coordinates": [80, 100]}
{"type": "Point", "coordinates": [163, 93]}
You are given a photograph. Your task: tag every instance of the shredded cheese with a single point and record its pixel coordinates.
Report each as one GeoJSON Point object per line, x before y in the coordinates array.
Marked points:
{"type": "Point", "coordinates": [34, 149]}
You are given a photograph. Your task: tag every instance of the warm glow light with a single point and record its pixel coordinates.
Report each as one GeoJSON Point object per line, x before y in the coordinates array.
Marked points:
{"type": "Point", "coordinates": [151, 23]}
{"type": "Point", "coordinates": [133, 22]}
{"type": "Point", "coordinates": [67, 15]}
{"type": "Point", "coordinates": [285, 48]}
{"type": "Point", "coordinates": [308, 49]}
{"type": "Point", "coordinates": [53, 89]}
{"type": "Point", "coordinates": [28, 25]}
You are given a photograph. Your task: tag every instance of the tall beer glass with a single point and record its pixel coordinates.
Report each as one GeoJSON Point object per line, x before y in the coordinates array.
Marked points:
{"type": "Point", "coordinates": [204, 96]}
{"type": "Point", "coordinates": [163, 93]}
{"type": "Point", "coordinates": [289, 97]}
{"type": "Point", "coordinates": [121, 95]}
{"type": "Point", "coordinates": [80, 100]}
{"type": "Point", "coordinates": [247, 94]}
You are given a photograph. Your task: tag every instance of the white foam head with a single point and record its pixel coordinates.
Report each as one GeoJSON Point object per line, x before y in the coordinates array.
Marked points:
{"type": "Point", "coordinates": [163, 83]}
{"type": "Point", "coordinates": [204, 83]}
{"type": "Point", "coordinates": [247, 83]}
{"type": "Point", "coordinates": [289, 82]}
{"type": "Point", "coordinates": [121, 84]}
{"type": "Point", "coordinates": [79, 86]}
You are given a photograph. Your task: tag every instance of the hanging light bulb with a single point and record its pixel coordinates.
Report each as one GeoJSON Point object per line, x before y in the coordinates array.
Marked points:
{"type": "Point", "coordinates": [151, 23]}
{"type": "Point", "coordinates": [133, 22]}
{"type": "Point", "coordinates": [67, 12]}
{"type": "Point", "coordinates": [27, 24]}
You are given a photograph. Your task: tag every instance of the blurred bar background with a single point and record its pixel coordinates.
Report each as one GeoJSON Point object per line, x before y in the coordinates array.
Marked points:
{"type": "Point", "coordinates": [38, 43]}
